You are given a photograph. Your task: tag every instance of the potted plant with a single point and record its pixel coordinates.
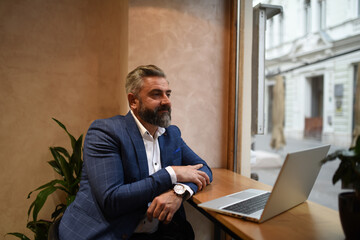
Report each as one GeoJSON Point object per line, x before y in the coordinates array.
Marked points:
{"type": "Point", "coordinates": [68, 166]}
{"type": "Point", "coordinates": [349, 202]}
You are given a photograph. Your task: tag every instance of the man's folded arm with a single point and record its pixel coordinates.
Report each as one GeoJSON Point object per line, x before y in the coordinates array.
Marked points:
{"type": "Point", "coordinates": [106, 176]}
{"type": "Point", "coordinates": [191, 158]}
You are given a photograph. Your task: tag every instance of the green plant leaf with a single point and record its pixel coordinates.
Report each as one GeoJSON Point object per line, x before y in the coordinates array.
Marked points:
{"type": "Point", "coordinates": [50, 189]}
{"type": "Point", "coordinates": [75, 183]}
{"type": "Point", "coordinates": [65, 169]}
{"type": "Point", "coordinates": [51, 184]}
{"type": "Point", "coordinates": [68, 166]}
{"type": "Point", "coordinates": [55, 166]}
{"type": "Point", "coordinates": [341, 172]}
{"type": "Point", "coordinates": [60, 124]}
{"type": "Point", "coordinates": [60, 208]}
{"type": "Point", "coordinates": [30, 208]}
{"type": "Point", "coordinates": [332, 156]}
{"type": "Point", "coordinates": [357, 146]}
{"type": "Point", "coordinates": [40, 228]}
{"type": "Point", "coordinates": [56, 159]}
{"type": "Point", "coordinates": [41, 199]}
{"type": "Point", "coordinates": [19, 235]}
{"type": "Point", "coordinates": [76, 158]}
{"type": "Point", "coordinates": [63, 151]}
{"type": "Point", "coordinates": [74, 187]}
{"type": "Point", "coordinates": [72, 139]}
{"type": "Point", "coordinates": [70, 199]}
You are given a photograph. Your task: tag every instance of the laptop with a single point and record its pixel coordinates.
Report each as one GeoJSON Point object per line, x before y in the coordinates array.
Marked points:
{"type": "Point", "coordinates": [292, 187]}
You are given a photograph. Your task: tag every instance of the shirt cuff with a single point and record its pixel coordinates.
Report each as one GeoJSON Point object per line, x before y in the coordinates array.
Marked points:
{"type": "Point", "coordinates": [172, 174]}
{"type": "Point", "coordinates": [188, 189]}
{"type": "Point", "coordinates": [174, 181]}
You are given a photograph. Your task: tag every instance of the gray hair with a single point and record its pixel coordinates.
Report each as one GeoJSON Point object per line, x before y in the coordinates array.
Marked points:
{"type": "Point", "coordinates": [134, 79]}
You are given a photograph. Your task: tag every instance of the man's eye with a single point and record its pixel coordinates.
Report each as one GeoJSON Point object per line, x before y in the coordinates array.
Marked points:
{"type": "Point", "coordinates": [155, 94]}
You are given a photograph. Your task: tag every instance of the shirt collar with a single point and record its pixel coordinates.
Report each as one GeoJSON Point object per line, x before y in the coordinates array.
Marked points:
{"type": "Point", "coordinates": [160, 130]}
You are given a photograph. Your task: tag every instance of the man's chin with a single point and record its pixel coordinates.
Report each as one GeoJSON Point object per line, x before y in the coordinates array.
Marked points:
{"type": "Point", "coordinates": [165, 120]}
{"type": "Point", "coordinates": [164, 114]}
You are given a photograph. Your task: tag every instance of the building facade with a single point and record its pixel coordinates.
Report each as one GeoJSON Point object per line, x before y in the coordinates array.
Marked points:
{"type": "Point", "coordinates": [315, 46]}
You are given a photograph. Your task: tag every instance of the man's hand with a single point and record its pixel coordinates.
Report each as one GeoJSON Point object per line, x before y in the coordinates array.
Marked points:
{"type": "Point", "coordinates": [191, 173]}
{"type": "Point", "coordinates": [164, 206]}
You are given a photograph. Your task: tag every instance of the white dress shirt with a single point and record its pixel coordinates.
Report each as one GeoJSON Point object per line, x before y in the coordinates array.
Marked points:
{"type": "Point", "coordinates": [154, 164]}
{"type": "Point", "coordinates": [153, 150]}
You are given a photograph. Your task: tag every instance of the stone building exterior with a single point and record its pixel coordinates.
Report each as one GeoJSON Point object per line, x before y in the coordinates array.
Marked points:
{"type": "Point", "coordinates": [315, 46]}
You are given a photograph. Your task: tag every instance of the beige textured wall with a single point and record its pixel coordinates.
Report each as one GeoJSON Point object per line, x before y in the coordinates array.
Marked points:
{"type": "Point", "coordinates": [68, 59]}
{"type": "Point", "coordinates": [63, 59]}
{"type": "Point", "coordinates": [189, 40]}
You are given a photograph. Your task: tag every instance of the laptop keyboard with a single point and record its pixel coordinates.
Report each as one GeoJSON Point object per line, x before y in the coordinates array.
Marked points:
{"type": "Point", "coordinates": [250, 205]}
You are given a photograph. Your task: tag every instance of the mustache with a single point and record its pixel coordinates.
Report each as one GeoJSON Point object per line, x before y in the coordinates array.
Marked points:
{"type": "Point", "coordinates": [163, 108]}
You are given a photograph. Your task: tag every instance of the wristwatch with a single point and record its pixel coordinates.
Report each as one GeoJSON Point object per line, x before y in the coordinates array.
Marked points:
{"type": "Point", "coordinates": [180, 190]}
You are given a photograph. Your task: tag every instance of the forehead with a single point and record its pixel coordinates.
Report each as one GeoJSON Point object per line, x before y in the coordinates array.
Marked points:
{"type": "Point", "coordinates": [152, 83]}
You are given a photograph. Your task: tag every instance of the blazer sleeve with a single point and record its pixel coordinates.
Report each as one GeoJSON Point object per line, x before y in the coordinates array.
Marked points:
{"type": "Point", "coordinates": [105, 150]}
{"type": "Point", "coordinates": [189, 157]}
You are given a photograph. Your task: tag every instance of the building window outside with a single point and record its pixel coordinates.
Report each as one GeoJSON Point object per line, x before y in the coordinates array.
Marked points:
{"type": "Point", "coordinates": [307, 16]}
{"type": "Point", "coordinates": [322, 14]}
{"type": "Point", "coordinates": [325, 87]}
{"type": "Point", "coordinates": [281, 28]}
{"type": "Point", "coordinates": [271, 32]}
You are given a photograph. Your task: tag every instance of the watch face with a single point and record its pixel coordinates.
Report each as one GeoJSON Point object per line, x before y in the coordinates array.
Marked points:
{"type": "Point", "coordinates": [179, 189]}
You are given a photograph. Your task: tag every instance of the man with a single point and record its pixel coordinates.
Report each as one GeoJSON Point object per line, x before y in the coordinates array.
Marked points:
{"type": "Point", "coordinates": [137, 170]}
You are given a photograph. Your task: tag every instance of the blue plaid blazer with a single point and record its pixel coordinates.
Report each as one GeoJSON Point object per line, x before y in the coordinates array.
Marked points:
{"type": "Point", "coordinates": [115, 187]}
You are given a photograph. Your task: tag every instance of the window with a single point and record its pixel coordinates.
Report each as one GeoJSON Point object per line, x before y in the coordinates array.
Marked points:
{"type": "Point", "coordinates": [271, 32]}
{"type": "Point", "coordinates": [307, 16]}
{"type": "Point", "coordinates": [322, 14]}
{"type": "Point", "coordinates": [281, 28]}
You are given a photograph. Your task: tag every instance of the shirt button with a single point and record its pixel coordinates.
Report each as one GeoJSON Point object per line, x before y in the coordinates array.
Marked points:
{"type": "Point", "coordinates": [155, 164]}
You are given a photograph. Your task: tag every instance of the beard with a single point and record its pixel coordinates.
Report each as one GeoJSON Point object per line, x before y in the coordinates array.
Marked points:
{"type": "Point", "coordinates": [154, 117]}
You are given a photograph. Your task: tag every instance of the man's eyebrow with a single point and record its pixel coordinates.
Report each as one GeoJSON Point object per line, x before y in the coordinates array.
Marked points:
{"type": "Point", "coordinates": [159, 90]}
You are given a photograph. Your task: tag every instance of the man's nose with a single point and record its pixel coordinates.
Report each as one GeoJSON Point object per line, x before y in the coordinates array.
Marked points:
{"type": "Point", "coordinates": [165, 100]}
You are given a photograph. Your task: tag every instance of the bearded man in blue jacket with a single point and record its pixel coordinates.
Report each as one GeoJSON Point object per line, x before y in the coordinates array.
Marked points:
{"type": "Point", "coordinates": [137, 170]}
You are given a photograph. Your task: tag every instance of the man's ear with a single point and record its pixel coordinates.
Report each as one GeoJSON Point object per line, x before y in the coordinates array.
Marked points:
{"type": "Point", "coordinates": [132, 99]}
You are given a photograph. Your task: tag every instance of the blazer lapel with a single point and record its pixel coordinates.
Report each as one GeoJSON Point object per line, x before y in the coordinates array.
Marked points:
{"type": "Point", "coordinates": [138, 143]}
{"type": "Point", "coordinates": [163, 151]}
